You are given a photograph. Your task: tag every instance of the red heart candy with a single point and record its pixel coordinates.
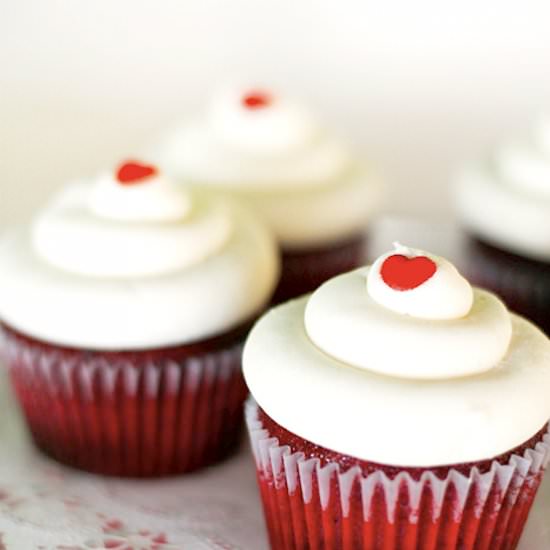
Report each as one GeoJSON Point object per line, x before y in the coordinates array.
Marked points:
{"type": "Point", "coordinates": [134, 172]}
{"type": "Point", "coordinates": [402, 273]}
{"type": "Point", "coordinates": [257, 100]}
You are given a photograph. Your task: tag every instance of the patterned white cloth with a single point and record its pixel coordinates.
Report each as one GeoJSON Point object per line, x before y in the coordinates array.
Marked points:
{"type": "Point", "coordinates": [45, 506]}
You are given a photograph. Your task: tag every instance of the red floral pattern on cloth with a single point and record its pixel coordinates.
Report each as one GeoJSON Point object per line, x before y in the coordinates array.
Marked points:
{"type": "Point", "coordinates": [119, 537]}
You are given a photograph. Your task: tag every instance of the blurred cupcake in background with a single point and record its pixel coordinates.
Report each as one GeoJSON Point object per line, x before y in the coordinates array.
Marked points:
{"type": "Point", "coordinates": [124, 307]}
{"type": "Point", "coordinates": [397, 407]}
{"type": "Point", "coordinates": [504, 204]}
{"type": "Point", "coordinates": [273, 154]}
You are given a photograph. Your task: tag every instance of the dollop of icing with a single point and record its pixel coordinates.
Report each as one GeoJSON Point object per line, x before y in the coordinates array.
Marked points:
{"type": "Point", "coordinates": [427, 331]}
{"type": "Point", "coordinates": [137, 192]}
{"type": "Point", "coordinates": [260, 122]}
{"type": "Point", "coordinates": [129, 225]}
{"type": "Point", "coordinates": [506, 199]}
{"type": "Point", "coordinates": [416, 283]}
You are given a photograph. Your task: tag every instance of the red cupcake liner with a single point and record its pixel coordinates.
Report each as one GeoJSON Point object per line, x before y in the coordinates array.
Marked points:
{"type": "Point", "coordinates": [303, 270]}
{"type": "Point", "coordinates": [139, 414]}
{"type": "Point", "coordinates": [524, 284]}
{"type": "Point", "coordinates": [310, 505]}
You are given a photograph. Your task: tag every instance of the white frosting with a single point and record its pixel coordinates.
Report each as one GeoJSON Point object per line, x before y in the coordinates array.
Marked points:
{"type": "Point", "coordinates": [525, 168]}
{"type": "Point", "coordinates": [70, 236]}
{"type": "Point", "coordinates": [277, 127]}
{"type": "Point", "coordinates": [507, 201]}
{"type": "Point", "coordinates": [279, 160]}
{"type": "Point", "coordinates": [278, 145]}
{"type": "Point", "coordinates": [445, 295]}
{"type": "Point", "coordinates": [189, 279]}
{"type": "Point", "coordinates": [304, 218]}
{"type": "Point", "coordinates": [344, 321]}
{"type": "Point", "coordinates": [391, 420]}
{"type": "Point", "coordinates": [156, 199]}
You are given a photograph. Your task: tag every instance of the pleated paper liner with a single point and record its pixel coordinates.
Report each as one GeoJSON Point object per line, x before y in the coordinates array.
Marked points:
{"type": "Point", "coordinates": [310, 506]}
{"type": "Point", "coordinates": [303, 270]}
{"type": "Point", "coordinates": [139, 414]}
{"type": "Point", "coordinates": [522, 283]}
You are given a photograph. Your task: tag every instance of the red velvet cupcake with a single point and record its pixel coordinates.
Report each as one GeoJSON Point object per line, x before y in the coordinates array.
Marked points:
{"type": "Point", "coordinates": [505, 206]}
{"type": "Point", "coordinates": [396, 408]}
{"type": "Point", "coordinates": [124, 309]}
{"type": "Point", "coordinates": [273, 155]}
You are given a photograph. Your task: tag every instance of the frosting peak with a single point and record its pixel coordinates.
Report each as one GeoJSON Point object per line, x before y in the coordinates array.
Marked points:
{"type": "Point", "coordinates": [261, 122]}
{"type": "Point", "coordinates": [416, 283]}
{"type": "Point", "coordinates": [137, 192]}
{"type": "Point", "coordinates": [427, 331]}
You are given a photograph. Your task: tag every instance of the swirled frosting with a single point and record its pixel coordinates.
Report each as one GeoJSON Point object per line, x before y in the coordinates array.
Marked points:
{"type": "Point", "coordinates": [139, 261]}
{"type": "Point", "coordinates": [347, 370]}
{"type": "Point", "coordinates": [271, 152]}
{"type": "Point", "coordinates": [105, 232]}
{"type": "Point", "coordinates": [506, 200]}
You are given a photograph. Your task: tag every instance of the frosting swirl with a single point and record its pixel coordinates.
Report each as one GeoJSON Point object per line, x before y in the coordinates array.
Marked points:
{"type": "Point", "coordinates": [345, 371]}
{"type": "Point", "coordinates": [261, 122]}
{"type": "Point", "coordinates": [272, 153]}
{"type": "Point", "coordinates": [78, 232]}
{"type": "Point", "coordinates": [436, 322]}
{"type": "Point", "coordinates": [516, 185]}
{"type": "Point", "coordinates": [139, 260]}
{"type": "Point", "coordinates": [275, 144]}
{"type": "Point", "coordinates": [138, 193]}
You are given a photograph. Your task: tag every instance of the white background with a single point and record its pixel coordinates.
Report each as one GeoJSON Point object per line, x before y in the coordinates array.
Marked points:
{"type": "Point", "coordinates": [418, 87]}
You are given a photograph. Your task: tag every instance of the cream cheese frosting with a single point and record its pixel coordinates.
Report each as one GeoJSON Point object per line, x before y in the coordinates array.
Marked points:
{"type": "Point", "coordinates": [506, 200]}
{"type": "Point", "coordinates": [350, 374]}
{"type": "Point", "coordinates": [271, 152]}
{"type": "Point", "coordinates": [161, 265]}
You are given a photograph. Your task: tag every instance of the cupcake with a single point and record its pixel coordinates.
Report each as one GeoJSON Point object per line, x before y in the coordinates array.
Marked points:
{"type": "Point", "coordinates": [124, 307]}
{"type": "Point", "coordinates": [397, 407]}
{"type": "Point", "coordinates": [504, 205]}
{"type": "Point", "coordinates": [272, 154]}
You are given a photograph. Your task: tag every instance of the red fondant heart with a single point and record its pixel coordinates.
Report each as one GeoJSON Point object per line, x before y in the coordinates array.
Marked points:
{"type": "Point", "coordinates": [402, 273]}
{"type": "Point", "coordinates": [134, 172]}
{"type": "Point", "coordinates": [257, 100]}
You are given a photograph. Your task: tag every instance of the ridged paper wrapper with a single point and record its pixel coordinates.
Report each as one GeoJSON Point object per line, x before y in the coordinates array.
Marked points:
{"type": "Point", "coordinates": [309, 506]}
{"type": "Point", "coordinates": [139, 414]}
